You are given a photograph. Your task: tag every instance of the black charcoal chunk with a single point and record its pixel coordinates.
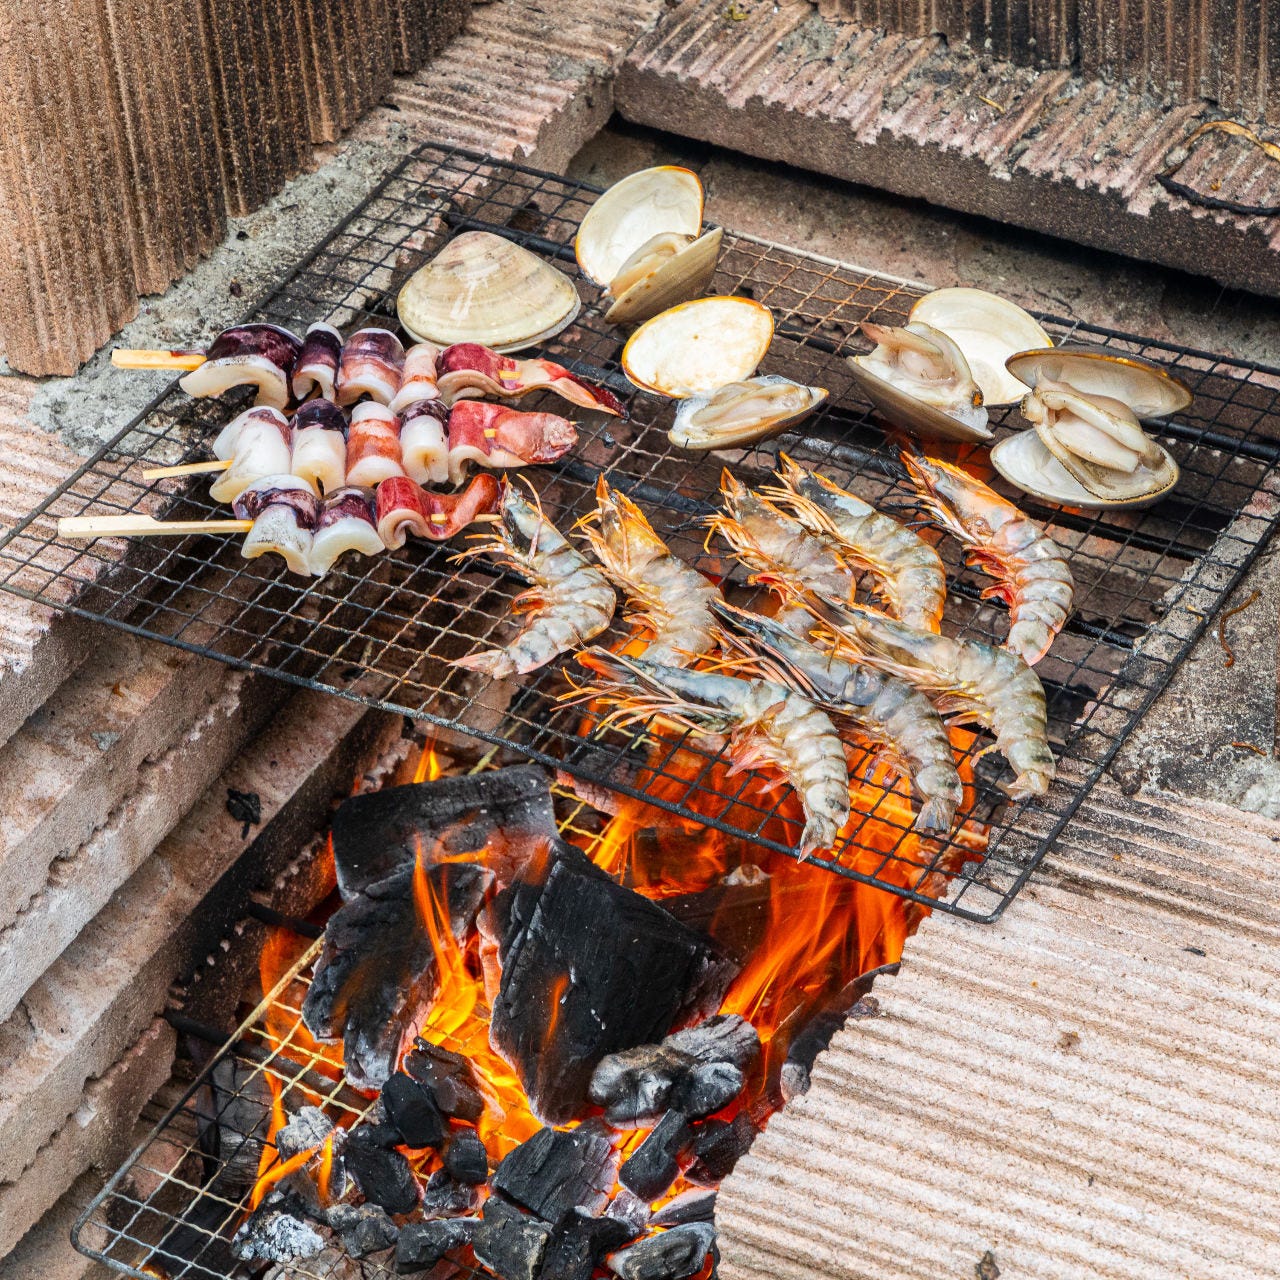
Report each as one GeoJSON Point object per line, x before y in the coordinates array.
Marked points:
{"type": "Point", "coordinates": [364, 1229]}
{"type": "Point", "coordinates": [411, 1111]}
{"type": "Point", "coordinates": [376, 975]}
{"type": "Point", "coordinates": [668, 1255]}
{"type": "Point", "coordinates": [718, 1145]}
{"type": "Point", "coordinates": [373, 1134]}
{"type": "Point", "coordinates": [629, 1209]}
{"type": "Point", "coordinates": [445, 1197]}
{"type": "Point", "coordinates": [578, 1243]}
{"type": "Point", "coordinates": [655, 1163]}
{"type": "Point", "coordinates": [510, 1243]}
{"type": "Point", "coordinates": [422, 1244]}
{"type": "Point", "coordinates": [688, 1206]}
{"type": "Point", "coordinates": [450, 1079]}
{"type": "Point", "coordinates": [723, 1038]}
{"type": "Point", "coordinates": [634, 1087]}
{"type": "Point", "coordinates": [558, 1170]}
{"type": "Point", "coordinates": [466, 1159]}
{"type": "Point", "coordinates": [383, 1177]}
{"type": "Point", "coordinates": [272, 1233]}
{"type": "Point", "coordinates": [377, 834]}
{"type": "Point", "coordinates": [707, 1088]}
{"type": "Point", "coordinates": [625, 980]}
{"type": "Point", "coordinates": [305, 1131]}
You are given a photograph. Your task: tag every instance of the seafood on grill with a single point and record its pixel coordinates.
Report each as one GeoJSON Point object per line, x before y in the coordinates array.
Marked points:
{"type": "Point", "coordinates": [373, 445]}
{"type": "Point", "coordinates": [665, 596]}
{"type": "Point", "coordinates": [316, 369]}
{"type": "Point", "coordinates": [640, 242]}
{"type": "Point", "coordinates": [319, 453]}
{"type": "Point", "coordinates": [284, 512]}
{"type": "Point", "coordinates": [486, 289]}
{"type": "Point", "coordinates": [372, 365]}
{"type": "Point", "coordinates": [257, 444]}
{"type": "Point", "coordinates": [569, 602]}
{"type": "Point", "coordinates": [346, 522]}
{"type": "Point", "coordinates": [1030, 569]}
{"type": "Point", "coordinates": [742, 413]}
{"type": "Point", "coordinates": [699, 346]}
{"type": "Point", "coordinates": [261, 355]}
{"type": "Point", "coordinates": [763, 724]}
{"type": "Point", "coordinates": [965, 679]}
{"type": "Point", "coordinates": [988, 329]}
{"type": "Point", "coordinates": [418, 378]}
{"type": "Point", "coordinates": [403, 507]}
{"type": "Point", "coordinates": [908, 572]}
{"type": "Point", "coordinates": [919, 379]}
{"type": "Point", "coordinates": [424, 441]}
{"type": "Point", "coordinates": [469, 370]}
{"type": "Point", "coordinates": [899, 720]}
{"type": "Point", "coordinates": [491, 435]}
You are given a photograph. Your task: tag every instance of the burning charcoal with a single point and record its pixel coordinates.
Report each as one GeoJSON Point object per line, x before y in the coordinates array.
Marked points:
{"type": "Point", "coordinates": [411, 1111]}
{"type": "Point", "coordinates": [380, 833]}
{"type": "Point", "coordinates": [383, 1176]}
{"type": "Point", "coordinates": [629, 1209]}
{"type": "Point", "coordinates": [634, 1086]}
{"type": "Point", "coordinates": [578, 1243]}
{"type": "Point", "coordinates": [376, 976]}
{"type": "Point", "coordinates": [718, 1146]}
{"type": "Point", "coordinates": [423, 1244]}
{"type": "Point", "coordinates": [364, 1229]}
{"type": "Point", "coordinates": [668, 1255]}
{"type": "Point", "coordinates": [445, 1197]}
{"type": "Point", "coordinates": [734, 912]}
{"type": "Point", "coordinates": [655, 1163]}
{"type": "Point", "coordinates": [450, 1079]}
{"type": "Point", "coordinates": [724, 1038]}
{"type": "Point", "coordinates": [803, 1051]}
{"type": "Point", "coordinates": [375, 1135]}
{"type": "Point", "coordinates": [707, 1088]}
{"type": "Point", "coordinates": [558, 1170]}
{"type": "Point", "coordinates": [306, 1130]}
{"type": "Point", "coordinates": [688, 1206]}
{"type": "Point", "coordinates": [271, 1233]}
{"type": "Point", "coordinates": [466, 1159]}
{"type": "Point", "coordinates": [234, 1116]}
{"type": "Point", "coordinates": [624, 981]}
{"type": "Point", "coordinates": [510, 1243]}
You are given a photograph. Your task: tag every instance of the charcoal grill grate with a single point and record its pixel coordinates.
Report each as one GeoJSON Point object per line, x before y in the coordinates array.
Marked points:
{"type": "Point", "coordinates": [383, 631]}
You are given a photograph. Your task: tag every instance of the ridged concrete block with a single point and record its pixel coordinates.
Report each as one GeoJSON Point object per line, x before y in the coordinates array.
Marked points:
{"type": "Point", "coordinates": [344, 51]}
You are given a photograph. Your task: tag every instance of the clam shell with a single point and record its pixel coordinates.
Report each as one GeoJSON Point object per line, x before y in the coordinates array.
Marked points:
{"type": "Point", "coordinates": [743, 413]}
{"type": "Point", "coordinates": [1149, 390]}
{"type": "Point", "coordinates": [1026, 463]}
{"type": "Point", "coordinates": [631, 212]}
{"type": "Point", "coordinates": [988, 329]}
{"type": "Point", "coordinates": [698, 346]}
{"type": "Point", "coordinates": [673, 277]}
{"type": "Point", "coordinates": [1137, 488]}
{"type": "Point", "coordinates": [483, 288]}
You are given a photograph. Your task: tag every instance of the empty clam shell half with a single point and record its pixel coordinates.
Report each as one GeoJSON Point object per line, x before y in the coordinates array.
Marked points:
{"type": "Point", "coordinates": [988, 329]}
{"type": "Point", "coordinates": [1026, 463]}
{"type": "Point", "coordinates": [698, 346]}
{"type": "Point", "coordinates": [743, 413]}
{"type": "Point", "coordinates": [666, 270]}
{"type": "Point", "coordinates": [644, 204]}
{"type": "Point", "coordinates": [919, 379]}
{"type": "Point", "coordinates": [1149, 390]}
{"type": "Point", "coordinates": [483, 288]}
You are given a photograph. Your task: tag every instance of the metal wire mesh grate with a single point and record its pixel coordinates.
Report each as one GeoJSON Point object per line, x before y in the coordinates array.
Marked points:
{"type": "Point", "coordinates": [384, 630]}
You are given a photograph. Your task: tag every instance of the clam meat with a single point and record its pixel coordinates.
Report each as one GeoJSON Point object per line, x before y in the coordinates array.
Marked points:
{"type": "Point", "coordinates": [1026, 464]}
{"type": "Point", "coordinates": [1146, 388]}
{"type": "Point", "coordinates": [919, 379]}
{"type": "Point", "coordinates": [743, 413]}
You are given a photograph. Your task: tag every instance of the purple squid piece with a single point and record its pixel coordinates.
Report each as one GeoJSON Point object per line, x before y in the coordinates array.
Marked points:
{"type": "Point", "coordinates": [372, 364]}
{"type": "Point", "coordinates": [262, 355]}
{"type": "Point", "coordinates": [317, 366]}
{"type": "Point", "coordinates": [346, 523]}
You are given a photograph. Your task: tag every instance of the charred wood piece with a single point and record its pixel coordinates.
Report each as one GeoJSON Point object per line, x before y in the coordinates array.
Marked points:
{"type": "Point", "coordinates": [510, 1243]}
{"type": "Point", "coordinates": [445, 1197]}
{"type": "Point", "coordinates": [375, 1134]}
{"type": "Point", "coordinates": [688, 1206]}
{"type": "Point", "coordinates": [734, 912]}
{"type": "Point", "coordinates": [422, 1244]}
{"type": "Point", "coordinates": [465, 1158]}
{"type": "Point", "coordinates": [274, 1232]}
{"type": "Point", "coordinates": [558, 1170]}
{"type": "Point", "coordinates": [579, 1243]}
{"type": "Point", "coordinates": [364, 1229]}
{"type": "Point", "coordinates": [498, 814]}
{"type": "Point", "coordinates": [668, 1255]}
{"type": "Point", "coordinates": [631, 1210]}
{"type": "Point", "coordinates": [450, 1079]}
{"type": "Point", "coordinates": [383, 1176]}
{"type": "Point", "coordinates": [655, 1163]}
{"type": "Point", "coordinates": [411, 1111]}
{"type": "Point", "coordinates": [234, 1118]}
{"type": "Point", "coordinates": [724, 1038]}
{"type": "Point", "coordinates": [803, 1051]}
{"type": "Point", "coordinates": [376, 976]}
{"type": "Point", "coordinates": [718, 1145]}
{"type": "Point", "coordinates": [305, 1131]}
{"type": "Point", "coordinates": [624, 981]}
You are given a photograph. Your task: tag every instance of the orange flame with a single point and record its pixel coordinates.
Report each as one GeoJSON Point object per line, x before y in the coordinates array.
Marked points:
{"type": "Point", "coordinates": [429, 766]}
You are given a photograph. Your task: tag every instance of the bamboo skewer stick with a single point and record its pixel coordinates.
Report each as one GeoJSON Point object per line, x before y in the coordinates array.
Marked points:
{"type": "Point", "coordinates": [188, 469]}
{"type": "Point", "coordinates": [133, 526]}
{"type": "Point", "coordinates": [144, 358]}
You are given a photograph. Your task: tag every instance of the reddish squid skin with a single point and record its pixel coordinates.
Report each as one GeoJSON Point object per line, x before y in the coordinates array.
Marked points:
{"type": "Point", "coordinates": [511, 377]}
{"type": "Point", "coordinates": [318, 362]}
{"type": "Point", "coordinates": [494, 429]}
{"type": "Point", "coordinates": [404, 506]}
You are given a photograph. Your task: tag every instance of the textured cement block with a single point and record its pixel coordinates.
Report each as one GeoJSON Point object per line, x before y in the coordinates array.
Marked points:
{"type": "Point", "coordinates": [344, 60]}
{"type": "Point", "coordinates": [46, 1251]}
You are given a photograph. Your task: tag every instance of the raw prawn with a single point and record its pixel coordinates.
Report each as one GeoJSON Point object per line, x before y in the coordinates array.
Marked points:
{"type": "Point", "coordinates": [1030, 569]}
{"type": "Point", "coordinates": [765, 724]}
{"type": "Point", "coordinates": [569, 603]}
{"type": "Point", "coordinates": [912, 581]}
{"type": "Point", "coordinates": [897, 717]}
{"type": "Point", "coordinates": [665, 595]}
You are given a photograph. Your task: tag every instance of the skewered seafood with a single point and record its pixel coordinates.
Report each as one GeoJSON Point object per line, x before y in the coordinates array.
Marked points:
{"type": "Point", "coordinates": [909, 572]}
{"type": "Point", "coordinates": [284, 512]}
{"type": "Point", "coordinates": [897, 717]}
{"type": "Point", "coordinates": [263, 355]}
{"type": "Point", "coordinates": [418, 378]}
{"type": "Point", "coordinates": [404, 507]}
{"type": "Point", "coordinates": [742, 413]}
{"type": "Point", "coordinates": [1031, 572]}
{"type": "Point", "coordinates": [345, 523]}
{"type": "Point", "coordinates": [317, 365]}
{"type": "Point", "coordinates": [372, 364]}
{"type": "Point", "coordinates": [468, 370]}
{"type": "Point", "coordinates": [373, 445]}
{"type": "Point", "coordinates": [919, 379]}
{"type": "Point", "coordinates": [262, 448]}
{"type": "Point", "coordinates": [424, 443]}
{"type": "Point", "coordinates": [964, 678]}
{"type": "Point", "coordinates": [766, 724]}
{"type": "Point", "coordinates": [224, 445]}
{"type": "Point", "coordinates": [319, 453]}
{"type": "Point", "coordinates": [483, 288]}
{"type": "Point", "coordinates": [664, 595]}
{"type": "Point", "coordinates": [491, 435]}
{"type": "Point", "coordinates": [569, 603]}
